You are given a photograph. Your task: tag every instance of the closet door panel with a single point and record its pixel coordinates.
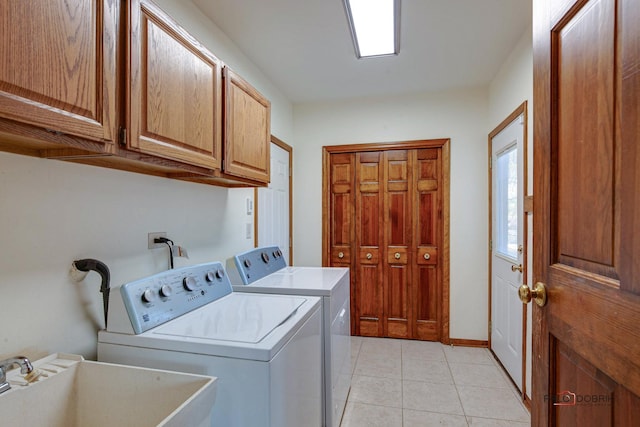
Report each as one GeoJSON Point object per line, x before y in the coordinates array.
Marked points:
{"type": "Point", "coordinates": [427, 221]}
{"type": "Point", "coordinates": [369, 283]}
{"type": "Point", "coordinates": [397, 236]}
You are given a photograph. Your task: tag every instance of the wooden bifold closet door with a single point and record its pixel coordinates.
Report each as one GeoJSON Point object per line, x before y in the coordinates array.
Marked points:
{"type": "Point", "coordinates": [383, 218]}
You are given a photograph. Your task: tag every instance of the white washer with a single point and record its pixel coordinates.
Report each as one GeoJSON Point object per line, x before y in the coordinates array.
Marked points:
{"type": "Point", "coordinates": [265, 350]}
{"type": "Point", "coordinates": [264, 270]}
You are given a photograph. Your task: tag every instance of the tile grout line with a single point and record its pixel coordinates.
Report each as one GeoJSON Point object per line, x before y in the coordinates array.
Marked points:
{"type": "Point", "coordinates": [401, 387]}
{"type": "Point", "coordinates": [466, 419]}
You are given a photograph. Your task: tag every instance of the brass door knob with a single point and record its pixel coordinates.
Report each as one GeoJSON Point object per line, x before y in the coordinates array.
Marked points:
{"type": "Point", "coordinates": [515, 268]}
{"type": "Point", "coordinates": [369, 256]}
{"type": "Point", "coordinates": [538, 294]}
{"type": "Point", "coordinates": [397, 255]}
{"type": "Point", "coordinates": [427, 257]}
{"type": "Point", "coordinates": [340, 255]}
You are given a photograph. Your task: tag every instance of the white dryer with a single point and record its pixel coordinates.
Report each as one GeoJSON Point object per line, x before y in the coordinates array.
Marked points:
{"type": "Point", "coordinates": [265, 350]}
{"type": "Point", "coordinates": [264, 270]}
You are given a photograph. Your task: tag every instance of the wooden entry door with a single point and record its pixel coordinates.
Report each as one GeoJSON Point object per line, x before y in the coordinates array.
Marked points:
{"type": "Point", "coordinates": [385, 216]}
{"type": "Point", "coordinates": [586, 339]}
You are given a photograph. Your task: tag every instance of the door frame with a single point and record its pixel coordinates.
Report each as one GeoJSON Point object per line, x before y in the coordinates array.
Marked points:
{"type": "Point", "coordinates": [527, 208]}
{"type": "Point", "coordinates": [444, 144]}
{"type": "Point", "coordinates": [289, 149]}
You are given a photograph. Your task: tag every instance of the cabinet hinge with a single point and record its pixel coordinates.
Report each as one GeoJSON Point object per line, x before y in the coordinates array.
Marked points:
{"type": "Point", "coordinates": [123, 137]}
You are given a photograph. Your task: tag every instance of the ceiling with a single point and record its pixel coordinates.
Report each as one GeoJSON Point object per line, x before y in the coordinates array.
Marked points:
{"type": "Point", "coordinates": [305, 47]}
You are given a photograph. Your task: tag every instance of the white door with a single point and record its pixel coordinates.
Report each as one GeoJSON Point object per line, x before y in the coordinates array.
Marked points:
{"type": "Point", "coordinates": [273, 204]}
{"type": "Point", "coordinates": [507, 247]}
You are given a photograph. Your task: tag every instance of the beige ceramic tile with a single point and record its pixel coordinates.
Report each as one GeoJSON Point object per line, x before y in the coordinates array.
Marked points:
{"type": "Point", "coordinates": [422, 350]}
{"type": "Point", "coordinates": [468, 355]}
{"type": "Point", "coordinates": [376, 391]}
{"type": "Point", "coordinates": [431, 397]}
{"type": "Point", "coordinates": [381, 346]}
{"type": "Point", "coordinates": [363, 415]}
{"type": "Point", "coordinates": [478, 375]}
{"type": "Point", "coordinates": [376, 365]}
{"type": "Point", "coordinates": [413, 418]}
{"type": "Point", "coordinates": [424, 370]}
{"type": "Point", "coordinates": [487, 422]}
{"type": "Point", "coordinates": [492, 403]}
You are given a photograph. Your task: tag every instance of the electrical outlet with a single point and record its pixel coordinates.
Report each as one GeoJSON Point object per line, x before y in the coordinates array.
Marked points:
{"type": "Point", "coordinates": [153, 236]}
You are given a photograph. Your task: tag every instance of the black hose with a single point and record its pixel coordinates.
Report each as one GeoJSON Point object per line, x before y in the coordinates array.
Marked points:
{"type": "Point", "coordinates": [101, 268]}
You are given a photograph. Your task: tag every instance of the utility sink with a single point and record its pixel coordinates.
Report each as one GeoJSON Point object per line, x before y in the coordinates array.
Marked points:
{"type": "Point", "coordinates": [75, 392]}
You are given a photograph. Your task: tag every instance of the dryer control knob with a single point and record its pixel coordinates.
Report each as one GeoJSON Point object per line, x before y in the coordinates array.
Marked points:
{"type": "Point", "coordinates": [210, 276]}
{"type": "Point", "coordinates": [265, 257]}
{"type": "Point", "coordinates": [189, 283]}
{"type": "Point", "coordinates": [247, 263]}
{"type": "Point", "coordinates": [219, 273]}
{"type": "Point", "coordinates": [165, 291]}
{"type": "Point", "coordinates": [147, 295]}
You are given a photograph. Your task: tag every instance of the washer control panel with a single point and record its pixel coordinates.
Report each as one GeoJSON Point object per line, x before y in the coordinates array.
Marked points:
{"type": "Point", "coordinates": [258, 263]}
{"type": "Point", "coordinates": [157, 299]}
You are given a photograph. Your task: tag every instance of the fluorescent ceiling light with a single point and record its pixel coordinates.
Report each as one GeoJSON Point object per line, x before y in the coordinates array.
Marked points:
{"type": "Point", "coordinates": [375, 26]}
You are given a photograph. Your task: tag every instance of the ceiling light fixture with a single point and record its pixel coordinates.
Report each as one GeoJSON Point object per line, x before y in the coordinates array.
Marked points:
{"type": "Point", "coordinates": [375, 26]}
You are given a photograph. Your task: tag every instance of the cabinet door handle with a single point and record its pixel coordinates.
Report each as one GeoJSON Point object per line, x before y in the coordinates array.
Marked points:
{"type": "Point", "coordinates": [340, 255]}
{"type": "Point", "coordinates": [397, 255]}
{"type": "Point", "coordinates": [427, 257]}
{"type": "Point", "coordinates": [369, 256]}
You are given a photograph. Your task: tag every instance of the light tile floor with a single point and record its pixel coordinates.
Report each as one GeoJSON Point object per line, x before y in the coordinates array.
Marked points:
{"type": "Point", "coordinates": [402, 383]}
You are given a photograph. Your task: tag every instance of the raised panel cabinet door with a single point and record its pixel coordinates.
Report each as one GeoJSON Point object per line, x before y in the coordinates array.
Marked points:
{"type": "Point", "coordinates": [586, 338]}
{"type": "Point", "coordinates": [247, 121]}
{"type": "Point", "coordinates": [397, 276]}
{"type": "Point", "coordinates": [369, 231]}
{"type": "Point", "coordinates": [58, 66]}
{"type": "Point", "coordinates": [427, 290]}
{"type": "Point", "coordinates": [175, 91]}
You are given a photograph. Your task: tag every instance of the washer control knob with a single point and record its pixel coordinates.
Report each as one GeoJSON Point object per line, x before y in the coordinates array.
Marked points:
{"type": "Point", "coordinates": [275, 254]}
{"type": "Point", "coordinates": [219, 273]}
{"type": "Point", "coordinates": [189, 283]}
{"type": "Point", "coordinates": [165, 291]}
{"type": "Point", "coordinates": [210, 276]}
{"type": "Point", "coordinates": [147, 295]}
{"type": "Point", "coordinates": [265, 257]}
{"type": "Point", "coordinates": [247, 263]}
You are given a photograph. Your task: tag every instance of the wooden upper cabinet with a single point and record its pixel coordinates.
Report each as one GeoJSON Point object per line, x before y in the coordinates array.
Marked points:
{"type": "Point", "coordinates": [174, 91]}
{"type": "Point", "coordinates": [247, 120]}
{"type": "Point", "coordinates": [58, 67]}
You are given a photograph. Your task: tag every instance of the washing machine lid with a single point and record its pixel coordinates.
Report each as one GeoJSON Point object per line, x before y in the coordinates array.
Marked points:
{"type": "Point", "coordinates": [316, 281]}
{"type": "Point", "coordinates": [234, 319]}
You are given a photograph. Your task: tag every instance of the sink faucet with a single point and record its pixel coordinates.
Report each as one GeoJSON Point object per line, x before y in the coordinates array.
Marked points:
{"type": "Point", "coordinates": [5, 365]}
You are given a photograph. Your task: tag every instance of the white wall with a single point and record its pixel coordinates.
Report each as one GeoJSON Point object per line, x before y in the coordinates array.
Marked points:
{"type": "Point", "coordinates": [511, 87]}
{"type": "Point", "coordinates": [53, 212]}
{"type": "Point", "coordinates": [459, 115]}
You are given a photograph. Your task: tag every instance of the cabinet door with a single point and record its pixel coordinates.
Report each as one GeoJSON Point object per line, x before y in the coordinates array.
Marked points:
{"type": "Point", "coordinates": [58, 67]}
{"type": "Point", "coordinates": [247, 133]}
{"type": "Point", "coordinates": [174, 91]}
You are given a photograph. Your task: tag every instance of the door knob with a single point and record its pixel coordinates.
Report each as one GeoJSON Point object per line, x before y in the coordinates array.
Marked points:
{"type": "Point", "coordinates": [427, 257]}
{"type": "Point", "coordinates": [340, 255]}
{"type": "Point", "coordinates": [538, 294]}
{"type": "Point", "coordinates": [515, 268]}
{"type": "Point", "coordinates": [369, 256]}
{"type": "Point", "coordinates": [397, 255]}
